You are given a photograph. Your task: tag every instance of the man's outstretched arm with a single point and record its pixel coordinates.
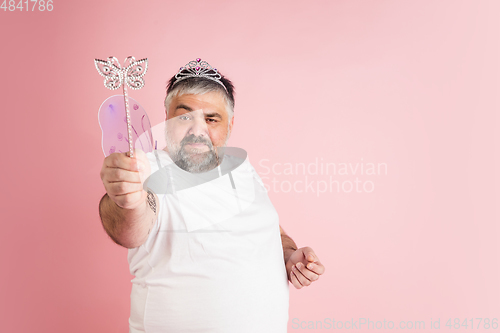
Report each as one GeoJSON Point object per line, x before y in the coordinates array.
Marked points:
{"type": "Point", "coordinates": [302, 265]}
{"type": "Point", "coordinates": [127, 211]}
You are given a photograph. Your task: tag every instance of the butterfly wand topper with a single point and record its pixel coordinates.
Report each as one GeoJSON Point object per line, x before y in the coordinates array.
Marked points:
{"type": "Point", "coordinates": [115, 76]}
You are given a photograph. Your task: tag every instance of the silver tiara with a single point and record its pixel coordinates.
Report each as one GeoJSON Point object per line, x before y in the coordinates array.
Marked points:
{"type": "Point", "coordinates": [198, 68]}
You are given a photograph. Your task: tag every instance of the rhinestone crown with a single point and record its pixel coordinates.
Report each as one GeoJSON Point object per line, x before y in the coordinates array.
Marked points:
{"type": "Point", "coordinates": [198, 68]}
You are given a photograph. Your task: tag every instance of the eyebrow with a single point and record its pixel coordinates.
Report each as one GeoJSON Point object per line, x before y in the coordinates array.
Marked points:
{"type": "Point", "coordinates": [183, 106]}
{"type": "Point", "coordinates": [210, 115]}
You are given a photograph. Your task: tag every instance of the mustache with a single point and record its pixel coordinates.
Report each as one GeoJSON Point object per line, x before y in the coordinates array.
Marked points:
{"type": "Point", "coordinates": [195, 139]}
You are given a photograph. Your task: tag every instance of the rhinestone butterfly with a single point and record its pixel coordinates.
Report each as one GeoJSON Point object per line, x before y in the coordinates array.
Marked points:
{"type": "Point", "coordinates": [115, 75]}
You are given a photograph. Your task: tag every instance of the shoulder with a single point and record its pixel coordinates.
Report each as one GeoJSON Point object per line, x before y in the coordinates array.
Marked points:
{"type": "Point", "coordinates": [243, 167]}
{"type": "Point", "coordinates": [158, 159]}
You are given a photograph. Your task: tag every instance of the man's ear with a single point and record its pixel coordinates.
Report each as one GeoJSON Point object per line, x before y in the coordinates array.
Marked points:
{"type": "Point", "coordinates": [231, 126]}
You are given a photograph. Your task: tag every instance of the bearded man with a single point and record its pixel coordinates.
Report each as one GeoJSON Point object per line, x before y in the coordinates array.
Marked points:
{"type": "Point", "coordinates": [204, 241]}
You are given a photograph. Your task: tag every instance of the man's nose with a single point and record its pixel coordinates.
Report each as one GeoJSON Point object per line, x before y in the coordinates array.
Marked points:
{"type": "Point", "coordinates": [198, 127]}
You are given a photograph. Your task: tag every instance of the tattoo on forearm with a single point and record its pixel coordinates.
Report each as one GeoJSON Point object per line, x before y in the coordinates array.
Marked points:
{"type": "Point", "coordinates": [151, 201]}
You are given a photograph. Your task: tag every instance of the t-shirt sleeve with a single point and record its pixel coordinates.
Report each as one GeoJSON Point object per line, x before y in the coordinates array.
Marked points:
{"type": "Point", "coordinates": [255, 174]}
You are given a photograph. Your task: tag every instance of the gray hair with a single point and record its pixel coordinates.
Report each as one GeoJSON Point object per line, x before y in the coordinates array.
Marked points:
{"type": "Point", "coordinates": [200, 86]}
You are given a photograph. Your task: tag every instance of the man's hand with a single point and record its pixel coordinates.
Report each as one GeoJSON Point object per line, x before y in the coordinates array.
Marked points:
{"type": "Point", "coordinates": [123, 178]}
{"type": "Point", "coordinates": [303, 267]}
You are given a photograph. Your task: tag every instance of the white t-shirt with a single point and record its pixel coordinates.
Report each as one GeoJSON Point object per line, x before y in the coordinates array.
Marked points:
{"type": "Point", "coordinates": [213, 262]}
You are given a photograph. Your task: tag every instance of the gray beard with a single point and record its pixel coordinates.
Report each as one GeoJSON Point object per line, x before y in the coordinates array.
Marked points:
{"type": "Point", "coordinates": [195, 161]}
{"type": "Point", "coordinates": [184, 160]}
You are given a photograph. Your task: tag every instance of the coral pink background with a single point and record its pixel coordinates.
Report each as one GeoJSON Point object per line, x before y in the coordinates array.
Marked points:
{"type": "Point", "coordinates": [413, 84]}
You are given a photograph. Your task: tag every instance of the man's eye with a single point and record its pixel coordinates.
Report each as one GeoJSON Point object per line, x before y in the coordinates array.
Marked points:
{"type": "Point", "coordinates": [211, 120]}
{"type": "Point", "coordinates": [184, 117]}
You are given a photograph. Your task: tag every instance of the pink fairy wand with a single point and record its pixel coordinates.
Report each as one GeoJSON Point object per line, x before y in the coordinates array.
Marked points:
{"type": "Point", "coordinates": [115, 76]}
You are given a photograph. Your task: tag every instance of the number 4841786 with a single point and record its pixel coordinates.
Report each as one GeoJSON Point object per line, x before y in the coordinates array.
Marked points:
{"type": "Point", "coordinates": [26, 4]}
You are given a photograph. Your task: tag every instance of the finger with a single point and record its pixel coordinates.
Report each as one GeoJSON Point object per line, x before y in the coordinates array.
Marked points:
{"type": "Point", "coordinates": [309, 254]}
{"type": "Point", "coordinates": [307, 273]}
{"type": "Point", "coordinates": [302, 279]}
{"type": "Point", "coordinates": [121, 175]}
{"type": "Point", "coordinates": [130, 200]}
{"type": "Point", "coordinates": [316, 267]}
{"type": "Point", "coordinates": [139, 153]}
{"type": "Point", "coordinates": [140, 157]}
{"type": "Point", "coordinates": [293, 279]}
{"type": "Point", "coordinates": [122, 188]}
{"type": "Point", "coordinates": [120, 160]}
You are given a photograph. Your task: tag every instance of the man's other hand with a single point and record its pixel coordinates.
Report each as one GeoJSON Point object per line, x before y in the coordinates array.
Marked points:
{"type": "Point", "coordinates": [303, 267]}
